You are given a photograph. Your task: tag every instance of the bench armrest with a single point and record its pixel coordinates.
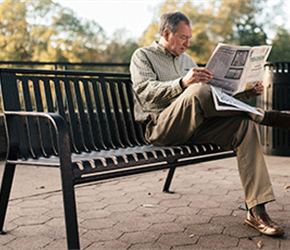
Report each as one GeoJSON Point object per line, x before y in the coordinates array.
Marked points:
{"type": "Point", "coordinates": [59, 124]}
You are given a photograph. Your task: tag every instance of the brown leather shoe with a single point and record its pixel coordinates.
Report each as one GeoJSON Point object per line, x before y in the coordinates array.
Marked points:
{"type": "Point", "coordinates": [275, 118]}
{"type": "Point", "coordinates": [264, 224]}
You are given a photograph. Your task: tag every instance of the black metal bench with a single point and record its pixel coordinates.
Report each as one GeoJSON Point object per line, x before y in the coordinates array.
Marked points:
{"type": "Point", "coordinates": [83, 123]}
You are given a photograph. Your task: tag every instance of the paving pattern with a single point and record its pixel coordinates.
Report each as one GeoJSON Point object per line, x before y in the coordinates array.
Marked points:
{"type": "Point", "coordinates": [132, 212]}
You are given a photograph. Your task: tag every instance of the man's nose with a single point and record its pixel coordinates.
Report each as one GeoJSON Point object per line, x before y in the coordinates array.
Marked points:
{"type": "Point", "coordinates": [187, 43]}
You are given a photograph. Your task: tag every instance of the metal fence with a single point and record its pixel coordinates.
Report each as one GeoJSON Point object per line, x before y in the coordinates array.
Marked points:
{"type": "Point", "coordinates": [102, 67]}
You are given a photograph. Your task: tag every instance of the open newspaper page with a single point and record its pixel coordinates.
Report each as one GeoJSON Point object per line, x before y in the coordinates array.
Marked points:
{"type": "Point", "coordinates": [224, 101]}
{"type": "Point", "coordinates": [236, 69]}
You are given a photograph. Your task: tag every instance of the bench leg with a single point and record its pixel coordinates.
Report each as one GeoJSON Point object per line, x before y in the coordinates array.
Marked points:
{"type": "Point", "coordinates": [6, 185]}
{"type": "Point", "coordinates": [168, 180]}
{"type": "Point", "coordinates": [70, 212]}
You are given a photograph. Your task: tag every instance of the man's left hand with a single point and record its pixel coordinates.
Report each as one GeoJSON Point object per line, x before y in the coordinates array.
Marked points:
{"type": "Point", "coordinates": [256, 90]}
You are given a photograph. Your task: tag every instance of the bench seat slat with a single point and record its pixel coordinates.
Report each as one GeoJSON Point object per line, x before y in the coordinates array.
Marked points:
{"type": "Point", "coordinates": [104, 160]}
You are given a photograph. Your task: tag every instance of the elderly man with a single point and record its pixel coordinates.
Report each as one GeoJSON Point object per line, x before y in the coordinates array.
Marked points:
{"type": "Point", "coordinates": [174, 102]}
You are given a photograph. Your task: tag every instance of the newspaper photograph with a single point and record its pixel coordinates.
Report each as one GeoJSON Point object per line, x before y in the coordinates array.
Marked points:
{"type": "Point", "coordinates": [237, 68]}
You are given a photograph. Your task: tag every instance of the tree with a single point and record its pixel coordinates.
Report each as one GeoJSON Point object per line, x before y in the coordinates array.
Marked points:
{"type": "Point", "coordinates": [235, 22]}
{"type": "Point", "coordinates": [280, 46]}
{"type": "Point", "coordinates": [80, 39]}
{"type": "Point", "coordinates": [120, 49]}
{"type": "Point", "coordinates": [250, 33]}
{"type": "Point", "coordinates": [45, 31]}
{"type": "Point", "coordinates": [14, 33]}
{"type": "Point", "coordinates": [150, 35]}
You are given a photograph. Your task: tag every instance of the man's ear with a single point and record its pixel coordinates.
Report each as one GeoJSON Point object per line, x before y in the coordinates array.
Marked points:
{"type": "Point", "coordinates": [166, 34]}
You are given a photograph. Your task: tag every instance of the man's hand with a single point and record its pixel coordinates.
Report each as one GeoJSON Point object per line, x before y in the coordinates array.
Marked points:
{"type": "Point", "coordinates": [196, 75]}
{"type": "Point", "coordinates": [256, 90]}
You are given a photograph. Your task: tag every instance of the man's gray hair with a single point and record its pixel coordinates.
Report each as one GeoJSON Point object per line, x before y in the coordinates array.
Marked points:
{"type": "Point", "coordinates": [171, 21]}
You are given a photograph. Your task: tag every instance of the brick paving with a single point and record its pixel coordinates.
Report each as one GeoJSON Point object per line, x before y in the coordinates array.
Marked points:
{"type": "Point", "coordinates": [132, 212]}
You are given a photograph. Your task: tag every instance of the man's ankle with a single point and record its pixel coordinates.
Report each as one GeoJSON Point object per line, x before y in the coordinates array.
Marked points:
{"type": "Point", "coordinates": [260, 208]}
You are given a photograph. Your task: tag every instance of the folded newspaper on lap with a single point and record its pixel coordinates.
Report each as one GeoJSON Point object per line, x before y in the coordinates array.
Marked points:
{"type": "Point", "coordinates": [224, 101]}
{"type": "Point", "coordinates": [235, 69]}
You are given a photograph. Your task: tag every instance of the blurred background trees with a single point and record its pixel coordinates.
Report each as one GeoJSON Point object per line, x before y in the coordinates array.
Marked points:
{"type": "Point", "coordinates": [238, 22]}
{"type": "Point", "coordinates": [43, 30]}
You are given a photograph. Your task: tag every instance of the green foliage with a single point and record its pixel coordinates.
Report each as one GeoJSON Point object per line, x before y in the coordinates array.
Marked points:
{"type": "Point", "coordinates": [45, 31]}
{"type": "Point", "coordinates": [120, 49]}
{"type": "Point", "coordinates": [280, 46]}
{"type": "Point", "coordinates": [14, 34]}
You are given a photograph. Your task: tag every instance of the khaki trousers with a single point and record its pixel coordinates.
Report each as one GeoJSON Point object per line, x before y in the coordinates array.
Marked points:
{"type": "Point", "coordinates": [192, 118]}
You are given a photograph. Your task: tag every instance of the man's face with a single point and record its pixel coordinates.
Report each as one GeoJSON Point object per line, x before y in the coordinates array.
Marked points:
{"type": "Point", "coordinates": [177, 42]}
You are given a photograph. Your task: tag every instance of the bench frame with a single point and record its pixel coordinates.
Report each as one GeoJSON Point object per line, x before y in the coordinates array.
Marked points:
{"type": "Point", "coordinates": [55, 134]}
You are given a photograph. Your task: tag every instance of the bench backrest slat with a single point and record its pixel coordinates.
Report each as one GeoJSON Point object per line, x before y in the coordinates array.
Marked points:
{"type": "Point", "coordinates": [51, 146]}
{"type": "Point", "coordinates": [98, 109]}
{"type": "Point", "coordinates": [119, 113]}
{"type": "Point", "coordinates": [138, 129]}
{"type": "Point", "coordinates": [93, 135]}
{"type": "Point", "coordinates": [43, 125]}
{"type": "Point", "coordinates": [110, 111]}
{"type": "Point", "coordinates": [73, 117]}
{"type": "Point", "coordinates": [102, 125]}
{"type": "Point", "coordinates": [126, 111]}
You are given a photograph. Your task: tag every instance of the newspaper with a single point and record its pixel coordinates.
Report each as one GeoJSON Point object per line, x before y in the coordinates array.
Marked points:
{"type": "Point", "coordinates": [235, 69]}
{"type": "Point", "coordinates": [224, 101]}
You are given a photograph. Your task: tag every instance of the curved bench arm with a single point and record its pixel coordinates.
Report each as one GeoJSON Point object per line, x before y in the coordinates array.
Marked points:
{"type": "Point", "coordinates": [67, 175]}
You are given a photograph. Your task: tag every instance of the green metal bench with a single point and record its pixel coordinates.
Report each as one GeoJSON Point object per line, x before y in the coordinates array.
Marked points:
{"type": "Point", "coordinates": [83, 123]}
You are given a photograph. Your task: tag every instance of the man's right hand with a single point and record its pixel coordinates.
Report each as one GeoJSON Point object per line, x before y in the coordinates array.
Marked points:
{"type": "Point", "coordinates": [196, 75]}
